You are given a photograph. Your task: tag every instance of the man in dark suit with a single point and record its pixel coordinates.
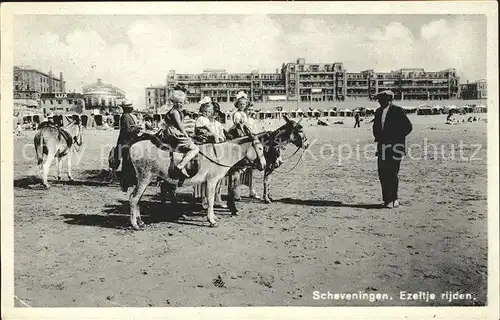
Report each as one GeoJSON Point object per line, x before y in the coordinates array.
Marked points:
{"type": "Point", "coordinates": [390, 128]}
{"type": "Point", "coordinates": [129, 128]}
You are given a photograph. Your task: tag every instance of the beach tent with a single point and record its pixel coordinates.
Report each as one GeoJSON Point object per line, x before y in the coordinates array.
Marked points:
{"type": "Point", "coordinates": [480, 109]}
{"type": "Point", "coordinates": [424, 109]}
{"type": "Point", "coordinates": [332, 112]}
{"type": "Point", "coordinates": [85, 120]}
{"type": "Point", "coordinates": [76, 118]}
{"type": "Point", "coordinates": [345, 113]}
{"type": "Point", "coordinates": [437, 110]}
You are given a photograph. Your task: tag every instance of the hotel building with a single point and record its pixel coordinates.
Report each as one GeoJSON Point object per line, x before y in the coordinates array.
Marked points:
{"type": "Point", "coordinates": [474, 90]}
{"type": "Point", "coordinates": [30, 83]}
{"type": "Point", "coordinates": [315, 82]}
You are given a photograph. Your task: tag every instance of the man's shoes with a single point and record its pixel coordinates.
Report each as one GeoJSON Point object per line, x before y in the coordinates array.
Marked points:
{"type": "Point", "coordinates": [387, 205]}
{"type": "Point", "coordinates": [395, 203]}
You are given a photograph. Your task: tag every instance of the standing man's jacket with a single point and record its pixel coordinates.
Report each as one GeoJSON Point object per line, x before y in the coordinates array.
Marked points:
{"type": "Point", "coordinates": [393, 136]}
{"type": "Point", "coordinates": [128, 129]}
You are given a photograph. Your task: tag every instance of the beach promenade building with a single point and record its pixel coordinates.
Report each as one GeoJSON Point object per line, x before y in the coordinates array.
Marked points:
{"type": "Point", "coordinates": [156, 97]}
{"type": "Point", "coordinates": [474, 90]}
{"type": "Point", "coordinates": [30, 83]}
{"type": "Point", "coordinates": [316, 82]}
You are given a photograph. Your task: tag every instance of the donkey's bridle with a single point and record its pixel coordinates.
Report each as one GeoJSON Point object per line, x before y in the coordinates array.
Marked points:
{"type": "Point", "coordinates": [254, 145]}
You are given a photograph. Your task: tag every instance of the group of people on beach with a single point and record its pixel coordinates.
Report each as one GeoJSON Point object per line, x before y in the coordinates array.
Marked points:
{"type": "Point", "coordinates": [186, 130]}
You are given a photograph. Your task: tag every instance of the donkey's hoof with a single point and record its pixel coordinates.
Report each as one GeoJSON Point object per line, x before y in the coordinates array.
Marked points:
{"type": "Point", "coordinates": [46, 185]}
{"type": "Point", "coordinates": [267, 200]}
{"type": "Point", "coordinates": [70, 178]}
{"type": "Point", "coordinates": [58, 178]}
{"type": "Point", "coordinates": [214, 224]}
{"type": "Point", "coordinates": [141, 224]}
{"type": "Point", "coordinates": [235, 213]}
{"type": "Point", "coordinates": [135, 225]}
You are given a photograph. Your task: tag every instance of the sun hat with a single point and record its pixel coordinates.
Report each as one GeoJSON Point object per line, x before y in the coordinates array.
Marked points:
{"type": "Point", "coordinates": [240, 96]}
{"type": "Point", "coordinates": [205, 100]}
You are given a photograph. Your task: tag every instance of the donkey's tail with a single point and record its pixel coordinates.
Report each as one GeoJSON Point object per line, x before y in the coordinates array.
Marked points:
{"type": "Point", "coordinates": [39, 148]}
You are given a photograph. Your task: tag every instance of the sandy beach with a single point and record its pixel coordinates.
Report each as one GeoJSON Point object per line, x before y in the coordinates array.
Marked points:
{"type": "Point", "coordinates": [323, 232]}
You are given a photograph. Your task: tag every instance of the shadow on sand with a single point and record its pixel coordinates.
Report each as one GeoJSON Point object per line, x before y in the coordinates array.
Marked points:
{"type": "Point", "coordinates": [91, 178]}
{"type": "Point", "coordinates": [117, 216]}
{"type": "Point", "coordinates": [29, 182]}
{"type": "Point", "coordinates": [327, 203]}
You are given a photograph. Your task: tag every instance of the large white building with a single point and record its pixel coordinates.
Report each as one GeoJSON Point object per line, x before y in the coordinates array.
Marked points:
{"type": "Point", "coordinates": [102, 96]}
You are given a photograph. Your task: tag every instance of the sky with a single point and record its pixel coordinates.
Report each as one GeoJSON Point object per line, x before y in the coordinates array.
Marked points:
{"type": "Point", "coordinates": [132, 52]}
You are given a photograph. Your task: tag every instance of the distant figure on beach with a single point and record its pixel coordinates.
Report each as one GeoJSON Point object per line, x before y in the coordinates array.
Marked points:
{"type": "Point", "coordinates": [450, 116]}
{"type": "Point", "coordinates": [356, 118]}
{"type": "Point", "coordinates": [390, 128]}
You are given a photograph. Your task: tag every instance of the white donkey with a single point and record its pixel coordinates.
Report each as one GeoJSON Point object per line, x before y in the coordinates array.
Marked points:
{"type": "Point", "coordinates": [55, 142]}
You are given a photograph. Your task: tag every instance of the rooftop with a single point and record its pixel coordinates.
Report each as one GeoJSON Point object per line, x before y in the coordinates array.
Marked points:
{"type": "Point", "coordinates": [30, 68]}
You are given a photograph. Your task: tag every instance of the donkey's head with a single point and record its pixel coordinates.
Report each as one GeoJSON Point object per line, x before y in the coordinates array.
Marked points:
{"type": "Point", "coordinates": [256, 153]}
{"type": "Point", "coordinates": [295, 133]}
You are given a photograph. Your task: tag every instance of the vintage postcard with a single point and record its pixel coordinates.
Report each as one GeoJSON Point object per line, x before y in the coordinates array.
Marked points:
{"type": "Point", "coordinates": [250, 160]}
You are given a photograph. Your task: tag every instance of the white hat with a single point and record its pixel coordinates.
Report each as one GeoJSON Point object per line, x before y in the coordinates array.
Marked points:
{"type": "Point", "coordinates": [126, 103]}
{"type": "Point", "coordinates": [178, 96]}
{"type": "Point", "coordinates": [96, 112]}
{"type": "Point", "coordinates": [205, 100]}
{"type": "Point", "coordinates": [241, 95]}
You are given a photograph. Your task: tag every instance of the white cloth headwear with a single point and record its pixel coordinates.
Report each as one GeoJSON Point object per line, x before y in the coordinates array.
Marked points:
{"type": "Point", "coordinates": [205, 100]}
{"type": "Point", "coordinates": [126, 103]}
{"type": "Point", "coordinates": [241, 95]}
{"type": "Point", "coordinates": [96, 112]}
{"type": "Point", "coordinates": [178, 96]}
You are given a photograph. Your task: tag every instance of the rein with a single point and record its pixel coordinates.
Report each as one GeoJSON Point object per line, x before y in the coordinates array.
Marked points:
{"type": "Point", "coordinates": [213, 161]}
{"type": "Point", "coordinates": [300, 158]}
{"type": "Point", "coordinates": [216, 162]}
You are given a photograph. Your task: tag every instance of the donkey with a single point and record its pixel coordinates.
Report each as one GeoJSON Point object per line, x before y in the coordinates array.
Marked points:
{"type": "Point", "coordinates": [56, 142]}
{"type": "Point", "coordinates": [213, 163]}
{"type": "Point", "coordinates": [273, 141]}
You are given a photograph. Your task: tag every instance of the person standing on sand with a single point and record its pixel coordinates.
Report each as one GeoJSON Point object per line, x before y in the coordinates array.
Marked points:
{"type": "Point", "coordinates": [356, 118]}
{"type": "Point", "coordinates": [390, 128]}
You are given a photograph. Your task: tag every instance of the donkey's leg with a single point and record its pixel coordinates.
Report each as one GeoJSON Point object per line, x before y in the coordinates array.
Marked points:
{"type": "Point", "coordinates": [70, 176]}
{"type": "Point", "coordinates": [231, 199]}
{"type": "Point", "coordinates": [211, 184]}
{"type": "Point", "coordinates": [267, 198]}
{"type": "Point", "coordinates": [59, 167]}
{"type": "Point", "coordinates": [234, 184]}
{"type": "Point", "coordinates": [46, 167]}
{"type": "Point", "coordinates": [135, 215]}
{"type": "Point", "coordinates": [218, 196]}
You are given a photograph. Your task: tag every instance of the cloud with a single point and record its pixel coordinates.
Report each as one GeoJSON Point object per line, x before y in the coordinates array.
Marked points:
{"type": "Point", "coordinates": [148, 48]}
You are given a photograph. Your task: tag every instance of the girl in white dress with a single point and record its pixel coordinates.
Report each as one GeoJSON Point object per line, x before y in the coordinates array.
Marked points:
{"type": "Point", "coordinates": [207, 122]}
